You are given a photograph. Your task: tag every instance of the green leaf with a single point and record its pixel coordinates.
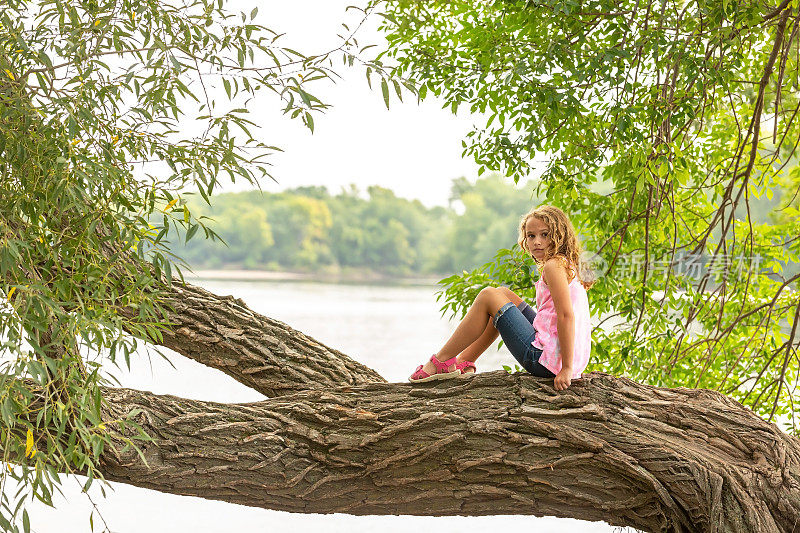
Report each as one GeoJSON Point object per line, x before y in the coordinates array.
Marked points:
{"type": "Point", "coordinates": [385, 91]}
{"type": "Point", "coordinates": [191, 232]}
{"type": "Point", "coordinates": [310, 122]}
{"type": "Point", "coordinates": [397, 90]}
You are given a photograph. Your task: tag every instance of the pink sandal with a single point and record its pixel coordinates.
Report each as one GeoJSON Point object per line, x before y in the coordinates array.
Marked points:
{"type": "Point", "coordinates": [420, 375]}
{"type": "Point", "coordinates": [463, 365]}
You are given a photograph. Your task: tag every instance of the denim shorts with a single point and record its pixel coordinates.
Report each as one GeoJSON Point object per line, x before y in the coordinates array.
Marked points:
{"type": "Point", "coordinates": [515, 324]}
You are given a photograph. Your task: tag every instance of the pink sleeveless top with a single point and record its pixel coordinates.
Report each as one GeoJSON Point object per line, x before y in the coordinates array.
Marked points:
{"type": "Point", "coordinates": [547, 332]}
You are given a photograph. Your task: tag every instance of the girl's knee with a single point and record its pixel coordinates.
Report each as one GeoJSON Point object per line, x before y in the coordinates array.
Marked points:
{"type": "Point", "coordinates": [493, 292]}
{"type": "Point", "coordinates": [492, 299]}
{"type": "Point", "coordinates": [500, 294]}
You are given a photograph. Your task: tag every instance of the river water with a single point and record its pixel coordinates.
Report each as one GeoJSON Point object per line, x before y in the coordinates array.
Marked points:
{"type": "Point", "coordinates": [391, 328]}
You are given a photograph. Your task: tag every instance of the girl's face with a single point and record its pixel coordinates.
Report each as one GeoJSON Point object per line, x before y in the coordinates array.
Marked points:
{"type": "Point", "coordinates": [537, 238]}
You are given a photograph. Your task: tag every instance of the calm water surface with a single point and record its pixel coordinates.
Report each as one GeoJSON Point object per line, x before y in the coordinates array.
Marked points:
{"type": "Point", "coordinates": [389, 328]}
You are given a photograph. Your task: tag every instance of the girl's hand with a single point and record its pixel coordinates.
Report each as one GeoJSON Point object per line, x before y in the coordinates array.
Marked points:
{"type": "Point", "coordinates": [563, 379]}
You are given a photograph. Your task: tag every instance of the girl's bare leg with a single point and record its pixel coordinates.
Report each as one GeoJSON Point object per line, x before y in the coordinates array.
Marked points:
{"type": "Point", "coordinates": [485, 306]}
{"type": "Point", "coordinates": [474, 350]}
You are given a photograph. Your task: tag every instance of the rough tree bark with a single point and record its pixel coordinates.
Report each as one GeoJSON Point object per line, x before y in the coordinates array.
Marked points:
{"type": "Point", "coordinates": [605, 449]}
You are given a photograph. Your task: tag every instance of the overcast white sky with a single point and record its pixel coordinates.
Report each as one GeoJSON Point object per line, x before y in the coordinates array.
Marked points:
{"type": "Point", "coordinates": [413, 149]}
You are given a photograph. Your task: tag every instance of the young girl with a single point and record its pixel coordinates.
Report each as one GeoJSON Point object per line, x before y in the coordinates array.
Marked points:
{"type": "Point", "coordinates": [553, 343]}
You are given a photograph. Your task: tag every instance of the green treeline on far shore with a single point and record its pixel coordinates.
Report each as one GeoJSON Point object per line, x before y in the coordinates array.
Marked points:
{"type": "Point", "coordinates": [309, 230]}
{"type": "Point", "coordinates": [306, 229]}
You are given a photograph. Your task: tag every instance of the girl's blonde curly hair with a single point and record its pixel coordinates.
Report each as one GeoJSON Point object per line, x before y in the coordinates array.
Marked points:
{"type": "Point", "coordinates": [565, 243]}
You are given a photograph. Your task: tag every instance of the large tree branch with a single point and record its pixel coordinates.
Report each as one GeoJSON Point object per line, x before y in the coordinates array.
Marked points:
{"type": "Point", "coordinates": [262, 353]}
{"type": "Point", "coordinates": [605, 449]}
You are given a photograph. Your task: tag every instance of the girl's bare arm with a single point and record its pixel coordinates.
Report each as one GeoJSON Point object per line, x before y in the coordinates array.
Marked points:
{"type": "Point", "coordinates": [555, 275]}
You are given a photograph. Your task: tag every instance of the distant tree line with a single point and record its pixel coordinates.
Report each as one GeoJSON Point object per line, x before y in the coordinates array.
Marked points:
{"type": "Point", "coordinates": [309, 229]}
